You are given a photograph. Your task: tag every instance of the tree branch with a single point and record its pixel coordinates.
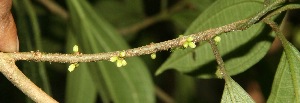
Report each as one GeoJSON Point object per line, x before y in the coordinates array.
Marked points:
{"type": "Point", "coordinates": [13, 74]}
{"type": "Point", "coordinates": [218, 57]}
{"type": "Point", "coordinates": [163, 96]}
{"type": "Point", "coordinates": [153, 19]}
{"type": "Point", "coordinates": [56, 9]}
{"type": "Point", "coordinates": [148, 49]}
{"type": "Point", "coordinates": [153, 47]}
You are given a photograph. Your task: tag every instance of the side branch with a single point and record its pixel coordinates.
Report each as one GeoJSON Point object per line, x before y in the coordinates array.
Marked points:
{"type": "Point", "coordinates": [13, 74]}
{"type": "Point", "coordinates": [148, 49]}
{"type": "Point", "coordinates": [218, 58]}
{"type": "Point", "coordinates": [153, 19]}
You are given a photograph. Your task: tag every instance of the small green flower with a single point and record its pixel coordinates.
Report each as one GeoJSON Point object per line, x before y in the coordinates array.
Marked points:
{"type": "Point", "coordinates": [124, 63]}
{"type": "Point", "coordinates": [190, 39]}
{"type": "Point", "coordinates": [192, 45]}
{"type": "Point", "coordinates": [153, 55]}
{"type": "Point", "coordinates": [122, 54]}
{"type": "Point", "coordinates": [217, 39]}
{"type": "Point", "coordinates": [218, 73]}
{"type": "Point", "coordinates": [121, 62]}
{"type": "Point", "coordinates": [72, 67]}
{"type": "Point", "coordinates": [75, 48]}
{"type": "Point", "coordinates": [114, 59]}
{"type": "Point", "coordinates": [186, 44]}
{"type": "Point", "coordinates": [189, 43]}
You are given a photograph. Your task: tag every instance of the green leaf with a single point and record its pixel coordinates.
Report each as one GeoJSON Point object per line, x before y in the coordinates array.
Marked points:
{"type": "Point", "coordinates": [240, 49]}
{"type": "Point", "coordinates": [286, 85]}
{"type": "Point", "coordinates": [129, 84]}
{"type": "Point", "coordinates": [268, 2]}
{"type": "Point", "coordinates": [234, 93]}
{"type": "Point", "coordinates": [185, 17]}
{"type": "Point", "coordinates": [282, 89]}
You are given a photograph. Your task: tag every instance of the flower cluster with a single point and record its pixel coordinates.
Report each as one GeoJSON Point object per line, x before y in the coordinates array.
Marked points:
{"type": "Point", "coordinates": [120, 61]}
{"type": "Point", "coordinates": [189, 43]}
{"type": "Point", "coordinates": [217, 39]}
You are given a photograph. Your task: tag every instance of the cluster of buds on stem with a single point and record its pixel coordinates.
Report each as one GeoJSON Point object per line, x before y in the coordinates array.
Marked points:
{"type": "Point", "coordinates": [74, 65]}
{"type": "Point", "coordinates": [120, 60]}
{"type": "Point", "coordinates": [189, 43]}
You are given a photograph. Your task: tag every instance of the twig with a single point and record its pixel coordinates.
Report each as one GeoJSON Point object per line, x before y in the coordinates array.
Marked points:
{"type": "Point", "coordinates": [154, 19]}
{"type": "Point", "coordinates": [148, 49]}
{"type": "Point", "coordinates": [218, 57]}
{"type": "Point", "coordinates": [13, 74]}
{"type": "Point", "coordinates": [282, 9]}
{"type": "Point", "coordinates": [259, 15]}
{"type": "Point", "coordinates": [141, 25]}
{"type": "Point", "coordinates": [56, 9]}
{"type": "Point", "coordinates": [163, 96]}
{"type": "Point", "coordinates": [8, 68]}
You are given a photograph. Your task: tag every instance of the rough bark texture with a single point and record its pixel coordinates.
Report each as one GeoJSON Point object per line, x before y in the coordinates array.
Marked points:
{"type": "Point", "coordinates": [14, 75]}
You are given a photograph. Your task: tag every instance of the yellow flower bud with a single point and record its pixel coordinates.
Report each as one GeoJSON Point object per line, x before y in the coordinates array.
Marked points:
{"type": "Point", "coordinates": [190, 39]}
{"type": "Point", "coordinates": [153, 55]}
{"type": "Point", "coordinates": [113, 59]}
{"type": "Point", "coordinates": [192, 45]}
{"type": "Point", "coordinates": [124, 63]}
{"type": "Point", "coordinates": [122, 54]}
{"type": "Point", "coordinates": [217, 39]}
{"type": "Point", "coordinates": [185, 44]}
{"type": "Point", "coordinates": [71, 67]}
{"type": "Point", "coordinates": [75, 48]}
